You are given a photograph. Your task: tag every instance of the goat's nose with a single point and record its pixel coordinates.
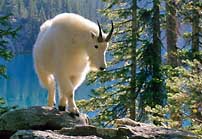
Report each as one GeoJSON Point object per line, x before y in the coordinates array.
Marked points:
{"type": "Point", "coordinates": [101, 68]}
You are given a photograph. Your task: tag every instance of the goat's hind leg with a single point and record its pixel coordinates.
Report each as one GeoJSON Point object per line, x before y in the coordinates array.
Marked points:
{"type": "Point", "coordinates": [51, 91]}
{"type": "Point", "coordinates": [47, 80]}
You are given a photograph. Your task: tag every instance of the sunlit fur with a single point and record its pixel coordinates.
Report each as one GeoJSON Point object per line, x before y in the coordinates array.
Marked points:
{"type": "Point", "coordinates": [64, 52]}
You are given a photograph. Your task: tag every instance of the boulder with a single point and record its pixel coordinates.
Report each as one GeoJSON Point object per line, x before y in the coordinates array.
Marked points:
{"type": "Point", "coordinates": [37, 134]}
{"type": "Point", "coordinates": [40, 118]}
{"type": "Point", "coordinates": [91, 132]}
{"type": "Point", "coordinates": [141, 130]}
{"type": "Point", "coordinates": [50, 123]}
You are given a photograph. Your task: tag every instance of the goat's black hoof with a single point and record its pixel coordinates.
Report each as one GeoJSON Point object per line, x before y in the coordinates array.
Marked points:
{"type": "Point", "coordinates": [62, 108]}
{"type": "Point", "coordinates": [74, 115]}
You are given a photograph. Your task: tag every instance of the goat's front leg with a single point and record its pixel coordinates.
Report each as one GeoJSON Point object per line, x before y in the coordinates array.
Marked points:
{"type": "Point", "coordinates": [62, 102]}
{"type": "Point", "coordinates": [66, 89]}
{"type": "Point", "coordinates": [71, 103]}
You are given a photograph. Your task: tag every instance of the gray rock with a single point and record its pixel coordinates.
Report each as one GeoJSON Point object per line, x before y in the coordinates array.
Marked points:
{"type": "Point", "coordinates": [107, 132]}
{"type": "Point", "coordinates": [89, 130]}
{"type": "Point", "coordinates": [37, 134]}
{"type": "Point", "coordinates": [153, 132]}
{"type": "Point", "coordinates": [40, 118]}
{"type": "Point", "coordinates": [147, 131]}
{"type": "Point", "coordinates": [141, 131]}
{"type": "Point", "coordinates": [79, 130]}
{"type": "Point", "coordinates": [46, 122]}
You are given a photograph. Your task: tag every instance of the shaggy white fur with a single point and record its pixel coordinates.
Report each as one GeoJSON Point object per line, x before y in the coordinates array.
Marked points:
{"type": "Point", "coordinates": [66, 49]}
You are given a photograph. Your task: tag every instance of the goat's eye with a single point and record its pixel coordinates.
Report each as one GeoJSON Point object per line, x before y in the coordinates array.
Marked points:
{"type": "Point", "coordinates": [96, 46]}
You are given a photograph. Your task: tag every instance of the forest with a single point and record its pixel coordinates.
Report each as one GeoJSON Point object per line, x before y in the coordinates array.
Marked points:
{"type": "Point", "coordinates": [154, 72]}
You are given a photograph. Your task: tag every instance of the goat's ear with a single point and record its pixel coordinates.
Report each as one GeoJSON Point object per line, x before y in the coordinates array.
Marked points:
{"type": "Point", "coordinates": [93, 35]}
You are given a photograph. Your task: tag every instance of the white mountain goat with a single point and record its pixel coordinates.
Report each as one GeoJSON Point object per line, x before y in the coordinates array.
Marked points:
{"type": "Point", "coordinates": [67, 48]}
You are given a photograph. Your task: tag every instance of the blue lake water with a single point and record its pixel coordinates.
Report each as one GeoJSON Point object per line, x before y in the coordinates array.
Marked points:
{"type": "Point", "coordinates": [23, 88]}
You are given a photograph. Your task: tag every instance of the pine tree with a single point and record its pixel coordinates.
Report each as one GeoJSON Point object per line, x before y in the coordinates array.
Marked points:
{"type": "Point", "coordinates": [171, 32]}
{"type": "Point", "coordinates": [190, 14]}
{"type": "Point", "coordinates": [6, 32]}
{"type": "Point", "coordinates": [183, 82]}
{"type": "Point", "coordinates": [150, 77]}
{"type": "Point", "coordinates": [7, 7]}
{"type": "Point", "coordinates": [112, 99]}
{"type": "Point", "coordinates": [2, 3]}
{"type": "Point", "coordinates": [22, 10]}
{"type": "Point", "coordinates": [156, 85]}
{"type": "Point", "coordinates": [133, 93]}
{"type": "Point", "coordinates": [122, 85]}
{"type": "Point", "coordinates": [196, 29]}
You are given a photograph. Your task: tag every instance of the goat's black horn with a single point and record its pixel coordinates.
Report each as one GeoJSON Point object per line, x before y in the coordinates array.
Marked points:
{"type": "Point", "coordinates": [110, 33]}
{"type": "Point", "coordinates": [100, 38]}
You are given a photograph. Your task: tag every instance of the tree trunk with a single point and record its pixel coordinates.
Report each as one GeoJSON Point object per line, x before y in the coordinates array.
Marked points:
{"type": "Point", "coordinates": [195, 33]}
{"type": "Point", "coordinates": [156, 84]}
{"type": "Point", "coordinates": [133, 60]}
{"type": "Point", "coordinates": [171, 33]}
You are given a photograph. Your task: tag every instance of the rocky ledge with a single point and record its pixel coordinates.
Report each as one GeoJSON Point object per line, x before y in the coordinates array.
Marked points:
{"type": "Point", "coordinates": [49, 123]}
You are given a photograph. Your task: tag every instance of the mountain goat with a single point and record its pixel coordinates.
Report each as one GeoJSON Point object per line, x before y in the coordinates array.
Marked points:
{"type": "Point", "coordinates": [67, 48]}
